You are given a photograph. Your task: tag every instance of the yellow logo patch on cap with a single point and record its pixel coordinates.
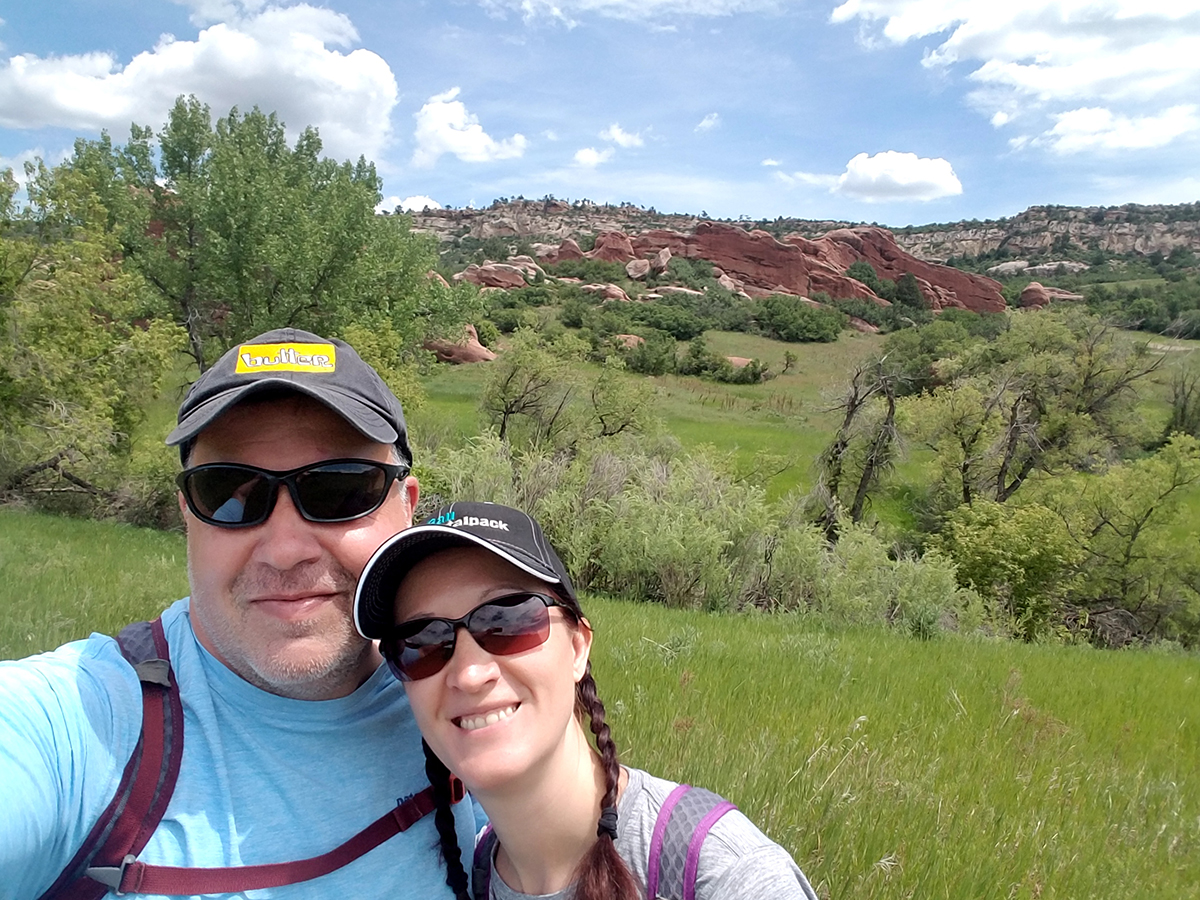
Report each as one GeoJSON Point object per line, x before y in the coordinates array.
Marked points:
{"type": "Point", "coordinates": [255, 358]}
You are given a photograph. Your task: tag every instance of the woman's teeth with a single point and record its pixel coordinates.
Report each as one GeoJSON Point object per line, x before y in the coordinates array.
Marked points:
{"type": "Point", "coordinates": [471, 723]}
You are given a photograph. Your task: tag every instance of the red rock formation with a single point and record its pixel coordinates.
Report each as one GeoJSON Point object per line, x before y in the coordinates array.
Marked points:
{"type": "Point", "coordinates": [1037, 295]}
{"type": "Point", "coordinates": [628, 341]}
{"type": "Point", "coordinates": [943, 286]}
{"type": "Point", "coordinates": [528, 267]}
{"type": "Point", "coordinates": [661, 260]}
{"type": "Point", "coordinates": [611, 246]}
{"type": "Point", "coordinates": [568, 249]}
{"type": "Point", "coordinates": [863, 326]}
{"type": "Point", "coordinates": [607, 292]}
{"type": "Point", "coordinates": [497, 275]}
{"type": "Point", "coordinates": [739, 362]}
{"type": "Point", "coordinates": [468, 350]}
{"type": "Point", "coordinates": [637, 269]}
{"type": "Point", "coordinates": [435, 277]}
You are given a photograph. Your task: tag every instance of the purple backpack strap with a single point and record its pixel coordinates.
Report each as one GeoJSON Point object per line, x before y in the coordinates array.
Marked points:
{"type": "Point", "coordinates": [693, 855]}
{"type": "Point", "coordinates": [659, 835]}
{"type": "Point", "coordinates": [683, 822]}
{"type": "Point", "coordinates": [481, 864]}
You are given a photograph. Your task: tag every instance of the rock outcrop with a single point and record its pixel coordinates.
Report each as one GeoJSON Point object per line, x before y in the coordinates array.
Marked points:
{"type": "Point", "coordinates": [607, 292]}
{"type": "Point", "coordinates": [637, 269]}
{"type": "Point", "coordinates": [493, 275]}
{"type": "Point", "coordinates": [1037, 295]}
{"type": "Point", "coordinates": [568, 249]}
{"type": "Point", "coordinates": [468, 350]}
{"type": "Point", "coordinates": [763, 265]}
{"type": "Point", "coordinates": [628, 341]}
{"type": "Point", "coordinates": [612, 246]}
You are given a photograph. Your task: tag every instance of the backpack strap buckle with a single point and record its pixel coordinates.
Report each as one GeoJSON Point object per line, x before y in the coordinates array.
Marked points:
{"type": "Point", "coordinates": [111, 876]}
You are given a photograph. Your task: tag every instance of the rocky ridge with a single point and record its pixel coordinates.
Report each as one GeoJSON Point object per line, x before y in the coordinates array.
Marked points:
{"type": "Point", "coordinates": [1037, 232]}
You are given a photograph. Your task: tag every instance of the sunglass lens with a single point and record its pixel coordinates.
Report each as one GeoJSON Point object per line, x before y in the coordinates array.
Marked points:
{"type": "Point", "coordinates": [421, 654]}
{"type": "Point", "coordinates": [341, 491]}
{"type": "Point", "coordinates": [508, 628]}
{"type": "Point", "coordinates": [229, 495]}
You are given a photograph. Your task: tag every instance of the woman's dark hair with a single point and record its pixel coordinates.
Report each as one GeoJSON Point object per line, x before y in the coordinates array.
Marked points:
{"type": "Point", "coordinates": [443, 818]}
{"type": "Point", "coordinates": [602, 874]}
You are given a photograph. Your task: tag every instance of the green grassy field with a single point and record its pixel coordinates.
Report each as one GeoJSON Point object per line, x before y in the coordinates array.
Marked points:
{"type": "Point", "coordinates": [890, 768]}
{"type": "Point", "coordinates": [785, 417]}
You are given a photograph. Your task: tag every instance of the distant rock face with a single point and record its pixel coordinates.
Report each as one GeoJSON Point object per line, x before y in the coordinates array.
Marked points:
{"type": "Point", "coordinates": [494, 275]}
{"type": "Point", "coordinates": [943, 286]}
{"type": "Point", "coordinates": [607, 292]}
{"type": "Point", "coordinates": [628, 341]}
{"type": "Point", "coordinates": [611, 246]}
{"type": "Point", "coordinates": [568, 249]}
{"type": "Point", "coordinates": [1037, 295]}
{"type": "Point", "coordinates": [863, 326]}
{"type": "Point", "coordinates": [637, 269]}
{"type": "Point", "coordinates": [661, 260]}
{"type": "Point", "coordinates": [468, 350]}
{"type": "Point", "coordinates": [763, 265]}
{"type": "Point", "coordinates": [739, 362]}
{"type": "Point", "coordinates": [528, 267]}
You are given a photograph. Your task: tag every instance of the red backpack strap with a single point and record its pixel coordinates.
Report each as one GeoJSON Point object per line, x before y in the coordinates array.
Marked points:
{"type": "Point", "coordinates": [133, 877]}
{"type": "Point", "coordinates": [149, 777]}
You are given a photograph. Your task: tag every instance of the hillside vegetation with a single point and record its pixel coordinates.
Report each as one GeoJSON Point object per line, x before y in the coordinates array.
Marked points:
{"type": "Point", "coordinates": [705, 443]}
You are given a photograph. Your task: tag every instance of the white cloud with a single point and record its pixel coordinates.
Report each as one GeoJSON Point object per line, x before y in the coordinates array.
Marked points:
{"type": "Point", "coordinates": [810, 178]}
{"type": "Point", "coordinates": [1097, 128]}
{"type": "Point", "coordinates": [278, 59]}
{"type": "Point", "coordinates": [885, 177]}
{"type": "Point", "coordinates": [445, 126]}
{"type": "Point", "coordinates": [770, 162]}
{"type": "Point", "coordinates": [565, 10]}
{"type": "Point", "coordinates": [590, 157]}
{"type": "Point", "coordinates": [1046, 58]}
{"type": "Point", "coordinates": [620, 137]}
{"type": "Point", "coordinates": [408, 204]}
{"type": "Point", "coordinates": [709, 122]}
{"type": "Point", "coordinates": [897, 176]}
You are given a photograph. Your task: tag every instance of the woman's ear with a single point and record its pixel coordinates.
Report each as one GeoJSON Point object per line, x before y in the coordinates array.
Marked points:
{"type": "Point", "coordinates": [581, 645]}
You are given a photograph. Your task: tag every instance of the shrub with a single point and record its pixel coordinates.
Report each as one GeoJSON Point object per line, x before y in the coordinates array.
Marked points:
{"type": "Point", "coordinates": [790, 319]}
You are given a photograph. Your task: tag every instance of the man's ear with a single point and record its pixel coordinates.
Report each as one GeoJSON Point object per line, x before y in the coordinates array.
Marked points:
{"type": "Point", "coordinates": [412, 493]}
{"type": "Point", "coordinates": [581, 644]}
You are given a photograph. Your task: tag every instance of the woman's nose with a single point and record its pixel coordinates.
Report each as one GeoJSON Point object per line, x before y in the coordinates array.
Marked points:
{"type": "Point", "coordinates": [471, 667]}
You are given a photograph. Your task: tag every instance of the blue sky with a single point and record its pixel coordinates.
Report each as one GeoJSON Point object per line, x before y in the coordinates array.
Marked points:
{"type": "Point", "coordinates": [894, 111]}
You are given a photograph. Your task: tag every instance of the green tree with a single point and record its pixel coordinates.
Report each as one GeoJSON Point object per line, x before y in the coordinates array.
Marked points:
{"type": "Point", "coordinates": [238, 232]}
{"type": "Point", "coordinates": [78, 355]}
{"type": "Point", "coordinates": [908, 292]}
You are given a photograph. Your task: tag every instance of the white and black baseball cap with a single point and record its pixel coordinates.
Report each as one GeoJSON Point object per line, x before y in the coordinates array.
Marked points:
{"type": "Point", "coordinates": [326, 369]}
{"type": "Point", "coordinates": [507, 532]}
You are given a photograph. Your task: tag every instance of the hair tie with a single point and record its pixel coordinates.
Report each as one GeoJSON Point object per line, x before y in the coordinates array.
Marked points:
{"type": "Point", "coordinates": [608, 823]}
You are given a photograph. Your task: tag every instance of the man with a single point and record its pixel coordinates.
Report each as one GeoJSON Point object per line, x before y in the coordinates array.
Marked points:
{"type": "Point", "coordinates": [296, 467]}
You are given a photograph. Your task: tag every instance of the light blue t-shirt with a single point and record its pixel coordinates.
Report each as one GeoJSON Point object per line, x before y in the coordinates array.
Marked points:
{"type": "Point", "coordinates": [264, 779]}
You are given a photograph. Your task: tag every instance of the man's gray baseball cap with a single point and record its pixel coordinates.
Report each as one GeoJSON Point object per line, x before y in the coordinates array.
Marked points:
{"type": "Point", "coordinates": [326, 369]}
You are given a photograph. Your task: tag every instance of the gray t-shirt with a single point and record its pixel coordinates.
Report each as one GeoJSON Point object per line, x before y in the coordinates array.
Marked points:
{"type": "Point", "coordinates": [737, 861]}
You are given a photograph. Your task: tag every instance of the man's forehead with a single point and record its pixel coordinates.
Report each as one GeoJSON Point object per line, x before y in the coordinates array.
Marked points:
{"type": "Point", "coordinates": [286, 424]}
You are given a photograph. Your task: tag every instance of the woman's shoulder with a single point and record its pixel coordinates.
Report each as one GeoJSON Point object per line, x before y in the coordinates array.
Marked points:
{"type": "Point", "coordinates": [736, 859]}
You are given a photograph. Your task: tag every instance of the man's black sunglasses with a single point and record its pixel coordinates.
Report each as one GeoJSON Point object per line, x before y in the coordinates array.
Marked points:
{"type": "Point", "coordinates": [230, 495]}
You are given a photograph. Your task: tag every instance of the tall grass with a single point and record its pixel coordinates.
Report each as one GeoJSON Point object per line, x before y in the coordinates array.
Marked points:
{"type": "Point", "coordinates": [890, 768]}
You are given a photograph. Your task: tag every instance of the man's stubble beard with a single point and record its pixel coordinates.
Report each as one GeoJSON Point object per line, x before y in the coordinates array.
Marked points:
{"type": "Point", "coordinates": [331, 672]}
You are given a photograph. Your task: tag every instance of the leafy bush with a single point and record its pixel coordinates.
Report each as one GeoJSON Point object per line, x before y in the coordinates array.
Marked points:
{"type": "Point", "coordinates": [790, 319]}
{"type": "Point", "coordinates": [588, 270]}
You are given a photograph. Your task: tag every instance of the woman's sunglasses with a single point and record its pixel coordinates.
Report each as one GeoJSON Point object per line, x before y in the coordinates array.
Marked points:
{"type": "Point", "coordinates": [334, 490]}
{"type": "Point", "coordinates": [506, 625]}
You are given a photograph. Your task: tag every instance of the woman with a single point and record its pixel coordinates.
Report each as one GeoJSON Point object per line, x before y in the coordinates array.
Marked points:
{"type": "Point", "coordinates": [476, 614]}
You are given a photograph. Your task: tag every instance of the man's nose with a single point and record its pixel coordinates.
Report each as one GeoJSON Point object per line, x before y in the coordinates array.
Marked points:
{"type": "Point", "coordinates": [287, 538]}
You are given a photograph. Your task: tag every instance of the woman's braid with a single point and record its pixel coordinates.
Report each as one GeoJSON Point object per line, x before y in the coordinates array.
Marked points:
{"type": "Point", "coordinates": [439, 777]}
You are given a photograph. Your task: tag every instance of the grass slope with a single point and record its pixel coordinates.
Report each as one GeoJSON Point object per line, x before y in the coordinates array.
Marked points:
{"type": "Point", "coordinates": [889, 768]}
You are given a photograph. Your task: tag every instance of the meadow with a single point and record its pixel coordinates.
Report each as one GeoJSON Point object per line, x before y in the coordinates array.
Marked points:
{"type": "Point", "coordinates": [890, 767]}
